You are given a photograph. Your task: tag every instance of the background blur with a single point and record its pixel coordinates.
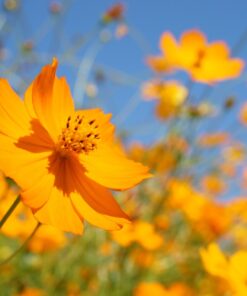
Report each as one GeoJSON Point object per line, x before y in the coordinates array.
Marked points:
{"type": "Point", "coordinates": [189, 232]}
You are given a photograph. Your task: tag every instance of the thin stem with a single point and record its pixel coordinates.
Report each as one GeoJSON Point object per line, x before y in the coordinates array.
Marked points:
{"type": "Point", "coordinates": [128, 109]}
{"type": "Point", "coordinates": [10, 211]}
{"type": "Point", "coordinates": [84, 70]}
{"type": "Point", "coordinates": [22, 247]}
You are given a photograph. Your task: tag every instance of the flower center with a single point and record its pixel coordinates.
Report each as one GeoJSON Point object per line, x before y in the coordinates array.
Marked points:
{"type": "Point", "coordinates": [200, 56]}
{"type": "Point", "coordinates": [79, 135]}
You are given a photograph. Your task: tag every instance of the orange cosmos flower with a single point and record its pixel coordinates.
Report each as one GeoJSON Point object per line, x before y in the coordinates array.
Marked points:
{"type": "Point", "coordinates": [121, 31]}
{"type": "Point", "coordinates": [159, 64]}
{"type": "Point", "coordinates": [214, 260]}
{"type": "Point", "coordinates": [143, 258]}
{"type": "Point", "coordinates": [114, 13]}
{"type": "Point", "coordinates": [213, 184]}
{"type": "Point", "coordinates": [63, 160]}
{"type": "Point", "coordinates": [170, 91]}
{"type": "Point", "coordinates": [202, 212]}
{"type": "Point", "coordinates": [231, 269]}
{"type": "Point", "coordinates": [28, 291]}
{"type": "Point", "coordinates": [171, 96]}
{"type": "Point", "coordinates": [205, 62]}
{"type": "Point", "coordinates": [234, 153]}
{"type": "Point", "coordinates": [141, 232]}
{"type": "Point", "coordinates": [208, 140]}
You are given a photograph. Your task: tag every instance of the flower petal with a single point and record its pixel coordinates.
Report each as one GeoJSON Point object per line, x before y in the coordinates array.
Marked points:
{"type": "Point", "coordinates": [193, 40]}
{"type": "Point", "coordinates": [14, 117]}
{"type": "Point", "coordinates": [159, 64]}
{"type": "Point", "coordinates": [60, 213]}
{"type": "Point", "coordinates": [169, 47]}
{"type": "Point", "coordinates": [218, 50]}
{"type": "Point", "coordinates": [94, 202]}
{"type": "Point", "coordinates": [25, 167]}
{"type": "Point", "coordinates": [28, 101]}
{"type": "Point", "coordinates": [90, 200]}
{"type": "Point", "coordinates": [105, 127]}
{"type": "Point", "coordinates": [109, 167]}
{"type": "Point", "coordinates": [51, 99]}
{"type": "Point", "coordinates": [96, 218]}
{"type": "Point", "coordinates": [49, 198]}
{"type": "Point", "coordinates": [212, 71]}
{"type": "Point", "coordinates": [35, 196]}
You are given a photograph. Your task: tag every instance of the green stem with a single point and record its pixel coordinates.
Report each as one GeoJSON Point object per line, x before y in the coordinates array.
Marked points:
{"type": "Point", "coordinates": [9, 212]}
{"type": "Point", "coordinates": [22, 247]}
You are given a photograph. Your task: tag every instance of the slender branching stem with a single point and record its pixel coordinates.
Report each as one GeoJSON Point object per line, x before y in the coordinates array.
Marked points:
{"type": "Point", "coordinates": [10, 211]}
{"type": "Point", "coordinates": [22, 247]}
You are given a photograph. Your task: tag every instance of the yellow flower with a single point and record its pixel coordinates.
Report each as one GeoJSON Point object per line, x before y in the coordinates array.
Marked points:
{"type": "Point", "coordinates": [213, 184]}
{"type": "Point", "coordinates": [202, 212]}
{"type": "Point", "coordinates": [234, 153]}
{"type": "Point", "coordinates": [238, 208]}
{"type": "Point", "coordinates": [146, 236]}
{"type": "Point", "coordinates": [205, 62]}
{"type": "Point", "coordinates": [237, 276]}
{"type": "Point", "coordinates": [232, 270]}
{"type": "Point", "coordinates": [179, 289]}
{"type": "Point", "coordinates": [213, 139]}
{"type": "Point", "coordinates": [125, 236]}
{"type": "Point", "coordinates": [150, 289]}
{"type": "Point", "coordinates": [28, 291]}
{"type": "Point", "coordinates": [214, 260]}
{"type": "Point", "coordinates": [170, 94]}
{"type": "Point", "coordinates": [63, 160]}
{"type": "Point", "coordinates": [143, 258]}
{"type": "Point", "coordinates": [140, 232]}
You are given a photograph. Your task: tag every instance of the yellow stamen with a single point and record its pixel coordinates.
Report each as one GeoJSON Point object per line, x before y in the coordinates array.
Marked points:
{"type": "Point", "coordinates": [80, 135]}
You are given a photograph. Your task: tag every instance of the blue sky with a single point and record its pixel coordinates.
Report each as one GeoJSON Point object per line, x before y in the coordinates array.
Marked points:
{"type": "Point", "coordinates": [147, 19]}
{"type": "Point", "coordinates": [218, 19]}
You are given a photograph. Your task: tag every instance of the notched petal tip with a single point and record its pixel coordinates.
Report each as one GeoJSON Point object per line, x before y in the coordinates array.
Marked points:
{"type": "Point", "coordinates": [166, 39]}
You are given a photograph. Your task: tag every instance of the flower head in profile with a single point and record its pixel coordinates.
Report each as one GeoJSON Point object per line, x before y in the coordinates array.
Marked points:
{"type": "Point", "coordinates": [208, 140]}
{"type": "Point", "coordinates": [213, 184]}
{"type": "Point", "coordinates": [171, 95]}
{"type": "Point", "coordinates": [63, 160]}
{"type": "Point", "coordinates": [205, 62]}
{"type": "Point", "coordinates": [114, 13]}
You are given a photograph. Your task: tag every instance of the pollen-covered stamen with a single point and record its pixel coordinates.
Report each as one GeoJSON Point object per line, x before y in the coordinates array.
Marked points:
{"type": "Point", "coordinates": [80, 135]}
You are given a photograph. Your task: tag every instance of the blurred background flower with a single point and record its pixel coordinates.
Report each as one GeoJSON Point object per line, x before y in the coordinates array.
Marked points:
{"type": "Point", "coordinates": [172, 74]}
